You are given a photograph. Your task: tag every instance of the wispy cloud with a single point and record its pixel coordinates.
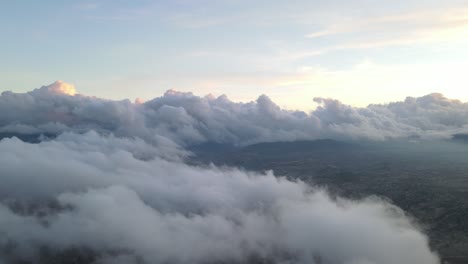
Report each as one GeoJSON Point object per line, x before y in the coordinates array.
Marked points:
{"type": "Point", "coordinates": [402, 29]}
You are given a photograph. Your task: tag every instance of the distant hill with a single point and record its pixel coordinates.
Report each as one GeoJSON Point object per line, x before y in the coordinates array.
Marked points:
{"type": "Point", "coordinates": [30, 138]}
{"type": "Point", "coordinates": [225, 154]}
{"type": "Point", "coordinates": [460, 138]}
{"type": "Point", "coordinates": [301, 146]}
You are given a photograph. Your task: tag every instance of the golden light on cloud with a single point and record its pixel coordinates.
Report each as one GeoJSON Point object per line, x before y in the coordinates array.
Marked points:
{"type": "Point", "coordinates": [139, 100]}
{"type": "Point", "coordinates": [61, 87]}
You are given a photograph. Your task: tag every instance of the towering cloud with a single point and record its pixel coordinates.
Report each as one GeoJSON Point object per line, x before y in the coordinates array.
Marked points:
{"type": "Point", "coordinates": [60, 87]}
{"type": "Point", "coordinates": [187, 119]}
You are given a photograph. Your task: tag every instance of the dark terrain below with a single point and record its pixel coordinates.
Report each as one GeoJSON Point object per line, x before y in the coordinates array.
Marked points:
{"type": "Point", "coordinates": [428, 180]}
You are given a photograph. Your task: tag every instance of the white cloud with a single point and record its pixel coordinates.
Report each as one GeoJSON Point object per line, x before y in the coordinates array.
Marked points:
{"type": "Point", "coordinates": [158, 211]}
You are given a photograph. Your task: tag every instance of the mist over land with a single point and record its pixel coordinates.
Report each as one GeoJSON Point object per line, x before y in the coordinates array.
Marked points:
{"type": "Point", "coordinates": [189, 179]}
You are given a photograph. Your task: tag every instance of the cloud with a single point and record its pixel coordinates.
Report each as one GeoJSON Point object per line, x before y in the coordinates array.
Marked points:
{"type": "Point", "coordinates": [184, 119]}
{"type": "Point", "coordinates": [107, 180]}
{"type": "Point", "coordinates": [60, 87]}
{"type": "Point", "coordinates": [101, 197]}
{"type": "Point", "coordinates": [444, 25]}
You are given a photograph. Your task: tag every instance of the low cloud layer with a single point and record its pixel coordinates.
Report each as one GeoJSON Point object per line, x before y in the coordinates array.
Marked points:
{"type": "Point", "coordinates": [108, 177]}
{"type": "Point", "coordinates": [101, 197]}
{"type": "Point", "coordinates": [186, 119]}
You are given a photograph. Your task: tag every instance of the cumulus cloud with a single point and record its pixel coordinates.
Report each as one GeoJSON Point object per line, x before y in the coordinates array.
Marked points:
{"type": "Point", "coordinates": [60, 87]}
{"type": "Point", "coordinates": [96, 192]}
{"type": "Point", "coordinates": [108, 178]}
{"type": "Point", "coordinates": [187, 119]}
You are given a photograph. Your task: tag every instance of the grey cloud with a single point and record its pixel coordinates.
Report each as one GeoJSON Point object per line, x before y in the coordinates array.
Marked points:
{"type": "Point", "coordinates": [186, 119]}
{"type": "Point", "coordinates": [430, 116]}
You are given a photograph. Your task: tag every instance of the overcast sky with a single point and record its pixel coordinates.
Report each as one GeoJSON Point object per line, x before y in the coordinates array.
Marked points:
{"type": "Point", "coordinates": [359, 52]}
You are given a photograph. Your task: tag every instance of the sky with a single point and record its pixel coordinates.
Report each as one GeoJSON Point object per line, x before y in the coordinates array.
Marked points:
{"type": "Point", "coordinates": [358, 52]}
